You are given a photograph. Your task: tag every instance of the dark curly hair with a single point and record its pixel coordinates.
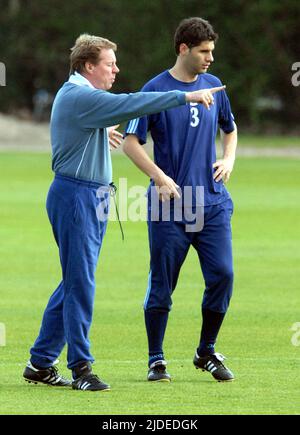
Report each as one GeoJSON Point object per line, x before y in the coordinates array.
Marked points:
{"type": "Point", "coordinates": [193, 31]}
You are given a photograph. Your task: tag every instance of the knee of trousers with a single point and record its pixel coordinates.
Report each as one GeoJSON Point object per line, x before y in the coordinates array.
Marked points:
{"type": "Point", "coordinates": [156, 310]}
{"type": "Point", "coordinates": [218, 292]}
{"type": "Point", "coordinates": [227, 275]}
{"type": "Point", "coordinates": [224, 282]}
{"type": "Point", "coordinates": [222, 274]}
{"type": "Point", "coordinates": [158, 301]}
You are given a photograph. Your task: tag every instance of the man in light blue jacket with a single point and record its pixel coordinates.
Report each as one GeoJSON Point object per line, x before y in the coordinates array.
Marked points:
{"type": "Point", "coordinates": [78, 201]}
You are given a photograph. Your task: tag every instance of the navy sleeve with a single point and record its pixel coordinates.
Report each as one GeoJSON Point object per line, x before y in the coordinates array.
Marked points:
{"type": "Point", "coordinates": [226, 118]}
{"type": "Point", "coordinates": [139, 127]}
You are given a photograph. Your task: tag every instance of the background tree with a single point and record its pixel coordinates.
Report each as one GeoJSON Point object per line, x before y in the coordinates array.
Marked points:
{"type": "Point", "coordinates": [259, 42]}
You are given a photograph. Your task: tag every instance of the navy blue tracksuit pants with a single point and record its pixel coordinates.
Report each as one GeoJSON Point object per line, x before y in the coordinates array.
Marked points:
{"type": "Point", "coordinates": [76, 211]}
{"type": "Point", "coordinates": [169, 244]}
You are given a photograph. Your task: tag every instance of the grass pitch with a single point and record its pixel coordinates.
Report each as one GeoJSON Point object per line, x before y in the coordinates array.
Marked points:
{"type": "Point", "coordinates": [256, 335]}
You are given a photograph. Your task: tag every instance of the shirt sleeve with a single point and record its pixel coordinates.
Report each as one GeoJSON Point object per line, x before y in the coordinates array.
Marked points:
{"type": "Point", "coordinates": [99, 109]}
{"type": "Point", "coordinates": [140, 126]}
{"type": "Point", "coordinates": [226, 118]}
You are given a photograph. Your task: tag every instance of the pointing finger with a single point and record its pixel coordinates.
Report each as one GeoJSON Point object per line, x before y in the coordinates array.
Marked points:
{"type": "Point", "coordinates": [217, 89]}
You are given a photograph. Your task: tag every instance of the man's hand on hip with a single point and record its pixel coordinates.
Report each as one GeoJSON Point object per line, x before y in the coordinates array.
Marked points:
{"type": "Point", "coordinates": [223, 169]}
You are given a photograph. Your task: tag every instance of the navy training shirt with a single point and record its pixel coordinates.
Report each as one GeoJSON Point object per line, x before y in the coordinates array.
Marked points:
{"type": "Point", "coordinates": [184, 137]}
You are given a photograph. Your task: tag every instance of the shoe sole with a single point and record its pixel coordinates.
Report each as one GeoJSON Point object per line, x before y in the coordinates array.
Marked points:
{"type": "Point", "coordinates": [94, 391]}
{"type": "Point", "coordinates": [30, 381]}
{"type": "Point", "coordinates": [159, 380]}
{"type": "Point", "coordinates": [218, 380]}
{"type": "Point", "coordinates": [225, 380]}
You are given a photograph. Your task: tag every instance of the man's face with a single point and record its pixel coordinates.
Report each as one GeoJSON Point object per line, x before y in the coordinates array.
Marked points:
{"type": "Point", "coordinates": [103, 75]}
{"type": "Point", "coordinates": [198, 59]}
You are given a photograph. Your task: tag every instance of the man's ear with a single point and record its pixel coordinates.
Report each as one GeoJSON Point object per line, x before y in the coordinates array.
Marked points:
{"type": "Point", "coordinates": [89, 67]}
{"type": "Point", "coordinates": [183, 49]}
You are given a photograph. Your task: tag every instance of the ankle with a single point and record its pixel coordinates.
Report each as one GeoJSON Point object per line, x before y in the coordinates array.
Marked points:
{"type": "Point", "coordinates": [156, 357]}
{"type": "Point", "coordinates": [205, 349]}
{"type": "Point", "coordinates": [82, 369]}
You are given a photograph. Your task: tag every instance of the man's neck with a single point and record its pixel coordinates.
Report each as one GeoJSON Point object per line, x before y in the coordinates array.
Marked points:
{"type": "Point", "coordinates": [88, 78]}
{"type": "Point", "coordinates": [180, 73]}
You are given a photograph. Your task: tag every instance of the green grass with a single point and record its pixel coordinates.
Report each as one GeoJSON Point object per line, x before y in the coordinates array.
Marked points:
{"type": "Point", "coordinates": [275, 141]}
{"type": "Point", "coordinates": [256, 334]}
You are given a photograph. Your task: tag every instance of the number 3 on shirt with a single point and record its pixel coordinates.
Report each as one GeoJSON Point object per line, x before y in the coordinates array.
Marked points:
{"type": "Point", "coordinates": [194, 112]}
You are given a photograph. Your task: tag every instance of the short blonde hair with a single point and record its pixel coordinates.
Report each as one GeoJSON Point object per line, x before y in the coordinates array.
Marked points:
{"type": "Point", "coordinates": [87, 48]}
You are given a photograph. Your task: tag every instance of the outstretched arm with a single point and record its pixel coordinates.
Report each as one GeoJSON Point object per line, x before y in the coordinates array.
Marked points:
{"type": "Point", "coordinates": [99, 109]}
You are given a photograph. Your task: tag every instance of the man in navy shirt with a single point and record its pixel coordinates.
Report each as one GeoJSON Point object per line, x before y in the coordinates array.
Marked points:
{"type": "Point", "coordinates": [185, 158]}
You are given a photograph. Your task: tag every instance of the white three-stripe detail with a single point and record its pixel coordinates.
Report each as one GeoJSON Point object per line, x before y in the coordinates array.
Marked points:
{"type": "Point", "coordinates": [211, 367]}
{"type": "Point", "coordinates": [84, 385]}
{"type": "Point", "coordinates": [133, 124]}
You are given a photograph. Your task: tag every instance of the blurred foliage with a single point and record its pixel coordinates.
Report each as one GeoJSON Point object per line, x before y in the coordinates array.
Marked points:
{"type": "Point", "coordinates": [259, 42]}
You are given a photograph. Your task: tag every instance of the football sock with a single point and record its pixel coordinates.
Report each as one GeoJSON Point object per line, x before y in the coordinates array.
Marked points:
{"type": "Point", "coordinates": [156, 323]}
{"type": "Point", "coordinates": [211, 324]}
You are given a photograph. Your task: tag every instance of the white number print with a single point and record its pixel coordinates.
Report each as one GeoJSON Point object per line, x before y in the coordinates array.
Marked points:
{"type": "Point", "coordinates": [194, 112]}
